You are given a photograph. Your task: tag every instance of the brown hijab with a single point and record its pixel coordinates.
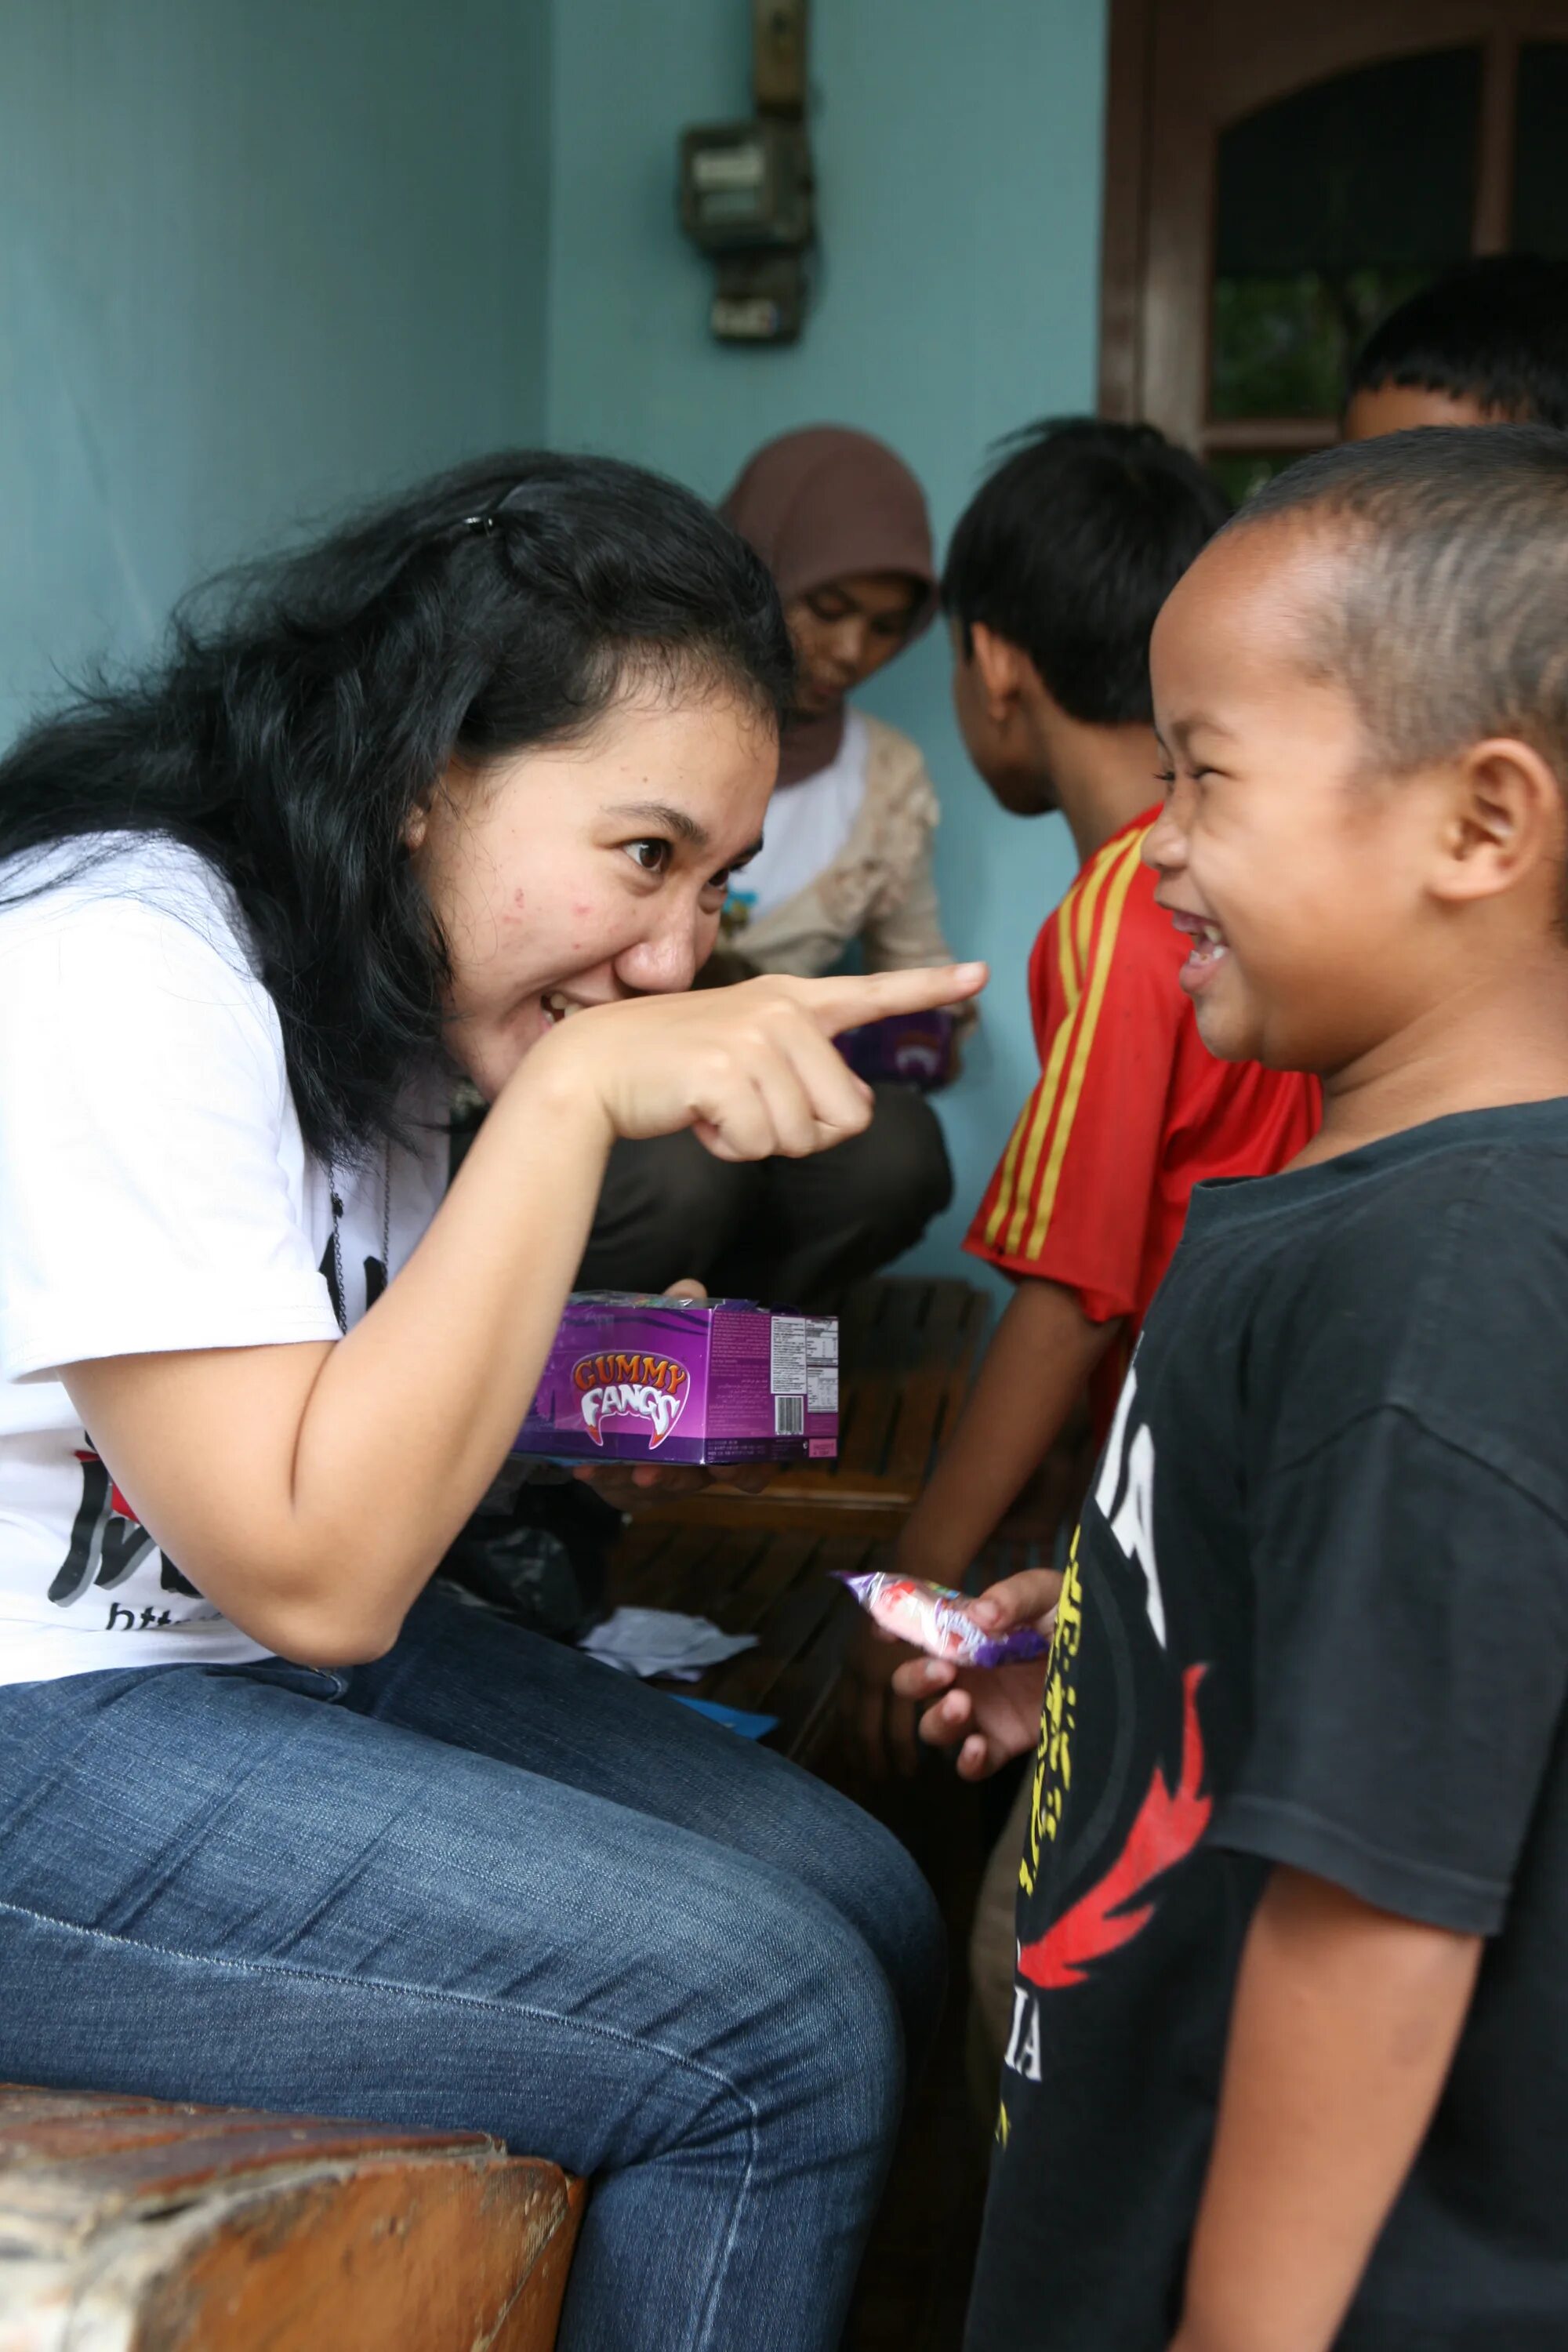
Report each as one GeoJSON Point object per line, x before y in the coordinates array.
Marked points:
{"type": "Point", "coordinates": [821, 505]}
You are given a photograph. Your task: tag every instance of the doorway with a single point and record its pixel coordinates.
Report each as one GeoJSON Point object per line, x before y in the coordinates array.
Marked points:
{"type": "Point", "coordinates": [1277, 181]}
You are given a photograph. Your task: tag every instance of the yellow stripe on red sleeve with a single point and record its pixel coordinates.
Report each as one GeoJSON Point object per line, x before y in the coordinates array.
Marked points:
{"type": "Point", "coordinates": [1016, 1216]}
{"type": "Point", "coordinates": [1009, 1187]}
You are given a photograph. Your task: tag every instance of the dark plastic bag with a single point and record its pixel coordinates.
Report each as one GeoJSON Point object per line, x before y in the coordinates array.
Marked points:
{"type": "Point", "coordinates": [540, 1561]}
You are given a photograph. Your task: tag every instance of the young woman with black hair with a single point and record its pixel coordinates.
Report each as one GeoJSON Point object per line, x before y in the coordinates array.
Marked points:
{"type": "Point", "coordinates": [461, 787]}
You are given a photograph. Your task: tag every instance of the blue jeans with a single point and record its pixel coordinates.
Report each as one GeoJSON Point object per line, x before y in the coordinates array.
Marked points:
{"type": "Point", "coordinates": [486, 1883]}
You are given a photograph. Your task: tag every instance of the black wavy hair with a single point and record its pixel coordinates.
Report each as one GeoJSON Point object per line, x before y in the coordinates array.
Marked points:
{"type": "Point", "coordinates": [306, 708]}
{"type": "Point", "coordinates": [1494, 330]}
{"type": "Point", "coordinates": [1069, 550]}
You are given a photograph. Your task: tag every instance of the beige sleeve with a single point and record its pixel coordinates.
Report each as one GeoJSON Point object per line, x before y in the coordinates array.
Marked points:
{"type": "Point", "coordinates": [903, 928]}
{"type": "Point", "coordinates": [908, 931]}
{"type": "Point", "coordinates": [880, 889]}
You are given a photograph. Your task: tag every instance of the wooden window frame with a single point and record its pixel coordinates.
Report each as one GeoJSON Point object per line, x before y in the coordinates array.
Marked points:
{"type": "Point", "coordinates": [1180, 71]}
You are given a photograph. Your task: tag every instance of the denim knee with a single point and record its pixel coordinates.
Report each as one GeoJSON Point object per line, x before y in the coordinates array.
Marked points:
{"type": "Point", "coordinates": [839, 2055]}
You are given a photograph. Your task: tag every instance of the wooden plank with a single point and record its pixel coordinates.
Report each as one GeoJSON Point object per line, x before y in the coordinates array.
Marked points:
{"type": "Point", "coordinates": [168, 2227]}
{"type": "Point", "coordinates": [801, 1599]}
{"type": "Point", "coordinates": [432, 2254]}
{"type": "Point", "coordinates": [806, 1695]}
{"type": "Point", "coordinates": [891, 1348]}
{"type": "Point", "coordinates": [63, 2152]}
{"type": "Point", "coordinates": [773, 1583]}
{"type": "Point", "coordinates": [707, 1571]}
{"type": "Point", "coordinates": [1125, 209]}
{"type": "Point", "coordinates": [936, 1379]}
{"type": "Point", "coordinates": [1493, 216]}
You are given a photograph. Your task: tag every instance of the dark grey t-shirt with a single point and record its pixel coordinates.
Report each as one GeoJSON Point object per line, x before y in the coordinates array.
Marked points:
{"type": "Point", "coordinates": [1318, 1615]}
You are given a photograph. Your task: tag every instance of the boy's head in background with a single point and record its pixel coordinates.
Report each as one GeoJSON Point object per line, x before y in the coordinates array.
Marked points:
{"type": "Point", "coordinates": [1057, 570]}
{"type": "Point", "coordinates": [1486, 345]}
{"type": "Point", "coordinates": [1362, 688]}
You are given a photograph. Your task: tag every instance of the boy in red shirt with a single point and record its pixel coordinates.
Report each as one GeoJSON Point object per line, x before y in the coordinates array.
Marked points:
{"type": "Point", "coordinates": [1130, 1112]}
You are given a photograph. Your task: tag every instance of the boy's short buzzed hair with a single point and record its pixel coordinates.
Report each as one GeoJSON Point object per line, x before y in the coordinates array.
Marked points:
{"type": "Point", "coordinates": [1493, 330]}
{"type": "Point", "coordinates": [1450, 622]}
{"type": "Point", "coordinates": [1069, 548]}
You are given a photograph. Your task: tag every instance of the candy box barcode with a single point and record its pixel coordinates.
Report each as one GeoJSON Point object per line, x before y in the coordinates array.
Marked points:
{"type": "Point", "coordinates": [685, 1379]}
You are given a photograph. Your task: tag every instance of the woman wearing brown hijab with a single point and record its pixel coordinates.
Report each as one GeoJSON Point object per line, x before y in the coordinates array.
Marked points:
{"type": "Point", "coordinates": [842, 524]}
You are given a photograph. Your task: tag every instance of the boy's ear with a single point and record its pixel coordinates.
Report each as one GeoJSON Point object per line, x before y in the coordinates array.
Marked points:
{"type": "Point", "coordinates": [1507, 821]}
{"type": "Point", "coordinates": [1004, 667]}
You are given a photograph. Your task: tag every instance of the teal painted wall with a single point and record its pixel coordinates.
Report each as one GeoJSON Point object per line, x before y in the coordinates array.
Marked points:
{"type": "Point", "coordinates": [958, 146]}
{"type": "Point", "coordinates": [257, 257]}
{"type": "Point", "coordinates": [259, 260]}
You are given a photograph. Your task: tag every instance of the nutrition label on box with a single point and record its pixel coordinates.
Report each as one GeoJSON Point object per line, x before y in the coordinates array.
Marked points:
{"type": "Point", "coordinates": [804, 1360]}
{"type": "Point", "coordinates": [787, 1355]}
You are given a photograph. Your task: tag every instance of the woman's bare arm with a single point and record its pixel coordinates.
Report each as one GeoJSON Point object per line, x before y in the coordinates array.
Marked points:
{"type": "Point", "coordinates": [310, 1490]}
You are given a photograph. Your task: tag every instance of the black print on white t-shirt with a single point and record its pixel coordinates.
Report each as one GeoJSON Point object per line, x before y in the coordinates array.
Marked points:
{"type": "Point", "coordinates": [108, 1545]}
{"type": "Point", "coordinates": [374, 1284]}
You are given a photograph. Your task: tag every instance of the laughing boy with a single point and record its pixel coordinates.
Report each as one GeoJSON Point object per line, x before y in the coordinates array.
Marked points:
{"type": "Point", "coordinates": [1290, 2060]}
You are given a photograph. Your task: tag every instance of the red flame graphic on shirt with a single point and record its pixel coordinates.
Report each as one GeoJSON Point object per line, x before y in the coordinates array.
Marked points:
{"type": "Point", "coordinates": [117, 1501]}
{"type": "Point", "coordinates": [1169, 1825]}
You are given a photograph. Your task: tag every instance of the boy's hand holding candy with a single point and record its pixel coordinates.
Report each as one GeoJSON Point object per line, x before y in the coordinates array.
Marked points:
{"type": "Point", "coordinates": [989, 1714]}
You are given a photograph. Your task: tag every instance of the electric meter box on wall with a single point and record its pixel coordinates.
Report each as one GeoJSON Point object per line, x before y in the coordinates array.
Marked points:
{"type": "Point", "coordinates": [746, 186]}
{"type": "Point", "coordinates": [746, 199]}
{"type": "Point", "coordinates": [714, 1381]}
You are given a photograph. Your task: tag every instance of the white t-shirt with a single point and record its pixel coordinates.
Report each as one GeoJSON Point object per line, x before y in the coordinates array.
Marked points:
{"type": "Point", "coordinates": [807, 825]}
{"type": "Point", "coordinates": [155, 1192]}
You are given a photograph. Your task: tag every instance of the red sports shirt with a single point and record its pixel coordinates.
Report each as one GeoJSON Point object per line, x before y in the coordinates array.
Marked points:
{"type": "Point", "coordinates": [1131, 1110]}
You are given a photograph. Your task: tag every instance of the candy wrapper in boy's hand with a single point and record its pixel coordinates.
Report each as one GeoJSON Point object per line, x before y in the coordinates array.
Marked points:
{"type": "Point", "coordinates": [933, 1618]}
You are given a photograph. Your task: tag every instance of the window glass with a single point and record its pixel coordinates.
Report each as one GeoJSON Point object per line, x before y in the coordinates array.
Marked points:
{"type": "Point", "coordinates": [1332, 205]}
{"type": "Point", "coordinates": [1541, 150]}
{"type": "Point", "coordinates": [1239, 474]}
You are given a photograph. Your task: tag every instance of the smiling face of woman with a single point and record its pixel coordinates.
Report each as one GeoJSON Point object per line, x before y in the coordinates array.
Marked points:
{"type": "Point", "coordinates": [575, 873]}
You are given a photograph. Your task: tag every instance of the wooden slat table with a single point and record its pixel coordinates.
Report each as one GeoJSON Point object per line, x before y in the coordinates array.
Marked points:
{"type": "Point", "coordinates": [907, 1350]}
{"type": "Point", "coordinates": [136, 2225]}
{"type": "Point", "coordinates": [775, 1582]}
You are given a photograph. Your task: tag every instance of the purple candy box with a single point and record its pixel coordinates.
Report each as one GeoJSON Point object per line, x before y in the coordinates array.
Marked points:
{"type": "Point", "coordinates": [916, 1049]}
{"type": "Point", "coordinates": [648, 1378]}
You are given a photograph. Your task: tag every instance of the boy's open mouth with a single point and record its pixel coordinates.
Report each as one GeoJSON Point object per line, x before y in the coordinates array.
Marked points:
{"type": "Point", "coordinates": [1208, 950]}
{"type": "Point", "coordinates": [553, 1006]}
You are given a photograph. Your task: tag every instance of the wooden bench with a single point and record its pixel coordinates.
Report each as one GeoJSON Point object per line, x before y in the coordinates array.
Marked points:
{"type": "Point", "coordinates": [132, 2225]}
